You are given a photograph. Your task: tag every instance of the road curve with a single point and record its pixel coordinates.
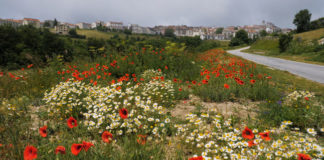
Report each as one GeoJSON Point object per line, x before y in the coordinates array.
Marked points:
{"type": "Point", "coordinates": [306, 70]}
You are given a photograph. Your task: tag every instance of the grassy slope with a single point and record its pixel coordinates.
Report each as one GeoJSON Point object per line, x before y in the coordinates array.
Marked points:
{"type": "Point", "coordinates": [265, 45]}
{"type": "Point", "coordinates": [97, 34]}
{"type": "Point", "coordinates": [270, 47]}
{"type": "Point", "coordinates": [106, 35]}
{"type": "Point", "coordinates": [311, 35]}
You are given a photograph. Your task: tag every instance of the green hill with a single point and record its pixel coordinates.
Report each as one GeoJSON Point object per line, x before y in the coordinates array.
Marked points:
{"type": "Point", "coordinates": [97, 34]}
{"type": "Point", "coordinates": [264, 46]}
{"type": "Point", "coordinates": [311, 35]}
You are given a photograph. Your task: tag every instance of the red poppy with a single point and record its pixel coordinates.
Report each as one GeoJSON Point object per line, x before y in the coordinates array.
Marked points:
{"type": "Point", "coordinates": [180, 89]}
{"type": "Point", "coordinates": [71, 122]}
{"type": "Point", "coordinates": [60, 149]}
{"type": "Point", "coordinates": [193, 82]}
{"type": "Point", "coordinates": [252, 81]}
{"type": "Point", "coordinates": [226, 86]}
{"type": "Point", "coordinates": [141, 139]}
{"type": "Point", "coordinates": [123, 113]}
{"type": "Point", "coordinates": [247, 133]}
{"type": "Point", "coordinates": [30, 153]}
{"type": "Point", "coordinates": [303, 156]}
{"type": "Point", "coordinates": [265, 136]}
{"type": "Point", "coordinates": [306, 98]}
{"type": "Point", "coordinates": [204, 81]}
{"type": "Point", "coordinates": [43, 131]}
{"type": "Point", "coordinates": [87, 145]}
{"type": "Point", "coordinates": [174, 80]}
{"type": "Point", "coordinates": [251, 143]}
{"type": "Point", "coordinates": [31, 65]}
{"type": "Point", "coordinates": [166, 67]}
{"type": "Point", "coordinates": [76, 148]}
{"type": "Point", "coordinates": [106, 137]}
{"type": "Point", "coordinates": [197, 158]}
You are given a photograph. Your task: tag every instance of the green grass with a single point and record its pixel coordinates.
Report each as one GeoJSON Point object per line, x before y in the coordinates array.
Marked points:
{"type": "Point", "coordinates": [97, 34]}
{"type": "Point", "coordinates": [270, 47]}
{"type": "Point", "coordinates": [107, 35]}
{"type": "Point", "coordinates": [265, 46]}
{"type": "Point", "coordinates": [311, 35]}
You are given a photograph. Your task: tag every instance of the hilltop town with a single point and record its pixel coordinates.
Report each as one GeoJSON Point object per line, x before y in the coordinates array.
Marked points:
{"type": "Point", "coordinates": [206, 33]}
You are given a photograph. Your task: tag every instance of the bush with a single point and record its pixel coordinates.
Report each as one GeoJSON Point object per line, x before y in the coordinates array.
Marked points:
{"type": "Point", "coordinates": [284, 41]}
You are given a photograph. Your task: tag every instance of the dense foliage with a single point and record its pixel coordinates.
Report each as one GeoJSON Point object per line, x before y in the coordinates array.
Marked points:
{"type": "Point", "coordinates": [241, 37]}
{"type": "Point", "coordinates": [284, 41]}
{"type": "Point", "coordinates": [302, 20]}
{"type": "Point", "coordinates": [26, 45]}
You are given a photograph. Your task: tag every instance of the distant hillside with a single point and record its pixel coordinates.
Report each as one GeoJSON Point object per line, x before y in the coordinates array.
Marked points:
{"type": "Point", "coordinates": [97, 34]}
{"type": "Point", "coordinates": [265, 45]}
{"type": "Point", "coordinates": [311, 35]}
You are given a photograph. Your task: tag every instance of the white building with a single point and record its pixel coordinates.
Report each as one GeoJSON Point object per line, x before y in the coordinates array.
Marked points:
{"type": "Point", "coordinates": [31, 21]}
{"type": "Point", "coordinates": [83, 25]}
{"type": "Point", "coordinates": [115, 25]}
{"type": "Point", "coordinates": [62, 29]}
{"type": "Point", "coordinates": [97, 24]}
{"type": "Point", "coordinates": [140, 30]}
{"type": "Point", "coordinates": [12, 22]}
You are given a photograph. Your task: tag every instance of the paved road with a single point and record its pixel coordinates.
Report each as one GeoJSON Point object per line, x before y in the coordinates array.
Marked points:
{"type": "Point", "coordinates": [308, 71]}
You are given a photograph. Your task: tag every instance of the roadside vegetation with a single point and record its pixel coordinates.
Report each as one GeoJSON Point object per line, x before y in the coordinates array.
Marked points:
{"type": "Point", "coordinates": [304, 44]}
{"type": "Point", "coordinates": [126, 98]}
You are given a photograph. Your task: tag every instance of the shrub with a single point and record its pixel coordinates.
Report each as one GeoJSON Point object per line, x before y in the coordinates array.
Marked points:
{"type": "Point", "coordinates": [284, 41]}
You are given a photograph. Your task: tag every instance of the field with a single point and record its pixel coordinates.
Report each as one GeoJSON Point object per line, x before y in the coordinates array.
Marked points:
{"type": "Point", "coordinates": [95, 34]}
{"type": "Point", "coordinates": [311, 35]}
{"type": "Point", "coordinates": [159, 104]}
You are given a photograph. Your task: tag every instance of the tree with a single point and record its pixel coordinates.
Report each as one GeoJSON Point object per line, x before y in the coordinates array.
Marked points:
{"type": "Point", "coordinates": [73, 33]}
{"type": "Point", "coordinates": [240, 38]}
{"type": "Point", "coordinates": [169, 32]}
{"type": "Point", "coordinates": [242, 35]}
{"type": "Point", "coordinates": [235, 42]}
{"type": "Point", "coordinates": [127, 31]}
{"type": "Point", "coordinates": [47, 24]}
{"type": "Point", "coordinates": [55, 22]}
{"type": "Point", "coordinates": [219, 30]}
{"type": "Point", "coordinates": [263, 33]}
{"type": "Point", "coordinates": [284, 41]}
{"type": "Point", "coordinates": [319, 23]}
{"type": "Point", "coordinates": [302, 20]}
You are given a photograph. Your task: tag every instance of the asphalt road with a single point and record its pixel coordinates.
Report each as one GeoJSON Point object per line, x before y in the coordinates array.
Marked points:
{"type": "Point", "coordinates": [306, 70]}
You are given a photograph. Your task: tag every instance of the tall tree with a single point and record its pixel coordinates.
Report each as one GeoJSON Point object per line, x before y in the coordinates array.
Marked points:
{"type": "Point", "coordinates": [55, 22]}
{"type": "Point", "coordinates": [302, 20]}
{"type": "Point", "coordinates": [242, 35]}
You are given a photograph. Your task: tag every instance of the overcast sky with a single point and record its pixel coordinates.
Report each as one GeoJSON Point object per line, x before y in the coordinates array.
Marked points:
{"type": "Point", "coordinates": [164, 12]}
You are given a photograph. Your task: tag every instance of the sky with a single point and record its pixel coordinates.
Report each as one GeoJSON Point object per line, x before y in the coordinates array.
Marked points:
{"type": "Point", "coordinates": [214, 13]}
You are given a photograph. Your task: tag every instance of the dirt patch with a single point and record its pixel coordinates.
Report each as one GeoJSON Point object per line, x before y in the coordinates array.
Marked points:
{"type": "Point", "coordinates": [242, 110]}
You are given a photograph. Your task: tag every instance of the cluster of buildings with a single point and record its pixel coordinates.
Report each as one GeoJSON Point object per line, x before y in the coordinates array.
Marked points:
{"type": "Point", "coordinates": [226, 33]}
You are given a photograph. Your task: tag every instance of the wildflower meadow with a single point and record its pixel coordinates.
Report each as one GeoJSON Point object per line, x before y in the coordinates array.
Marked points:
{"type": "Point", "coordinates": [121, 106]}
